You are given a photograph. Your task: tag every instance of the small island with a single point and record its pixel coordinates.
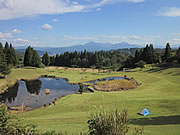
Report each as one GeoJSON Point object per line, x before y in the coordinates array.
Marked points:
{"type": "Point", "coordinates": [115, 85]}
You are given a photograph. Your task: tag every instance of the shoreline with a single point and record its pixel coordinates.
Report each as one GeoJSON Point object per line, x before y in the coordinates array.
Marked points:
{"type": "Point", "coordinates": [52, 76]}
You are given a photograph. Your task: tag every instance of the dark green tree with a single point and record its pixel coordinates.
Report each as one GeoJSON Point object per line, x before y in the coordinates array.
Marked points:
{"type": "Point", "coordinates": [167, 53]}
{"type": "Point", "coordinates": [28, 56]}
{"type": "Point", "coordinates": [4, 69]}
{"type": "Point", "coordinates": [6, 52]}
{"type": "Point", "coordinates": [137, 55]}
{"type": "Point", "coordinates": [31, 58]}
{"type": "Point", "coordinates": [151, 54]}
{"type": "Point", "coordinates": [46, 59]}
{"type": "Point", "coordinates": [2, 55]}
{"type": "Point", "coordinates": [141, 64]}
{"type": "Point", "coordinates": [36, 62]}
{"type": "Point", "coordinates": [177, 57]}
{"type": "Point", "coordinates": [12, 58]}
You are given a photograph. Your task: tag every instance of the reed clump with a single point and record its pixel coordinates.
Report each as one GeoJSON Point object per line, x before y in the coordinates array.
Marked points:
{"type": "Point", "coordinates": [115, 85]}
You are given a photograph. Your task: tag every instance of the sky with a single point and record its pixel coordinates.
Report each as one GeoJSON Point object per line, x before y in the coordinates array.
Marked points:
{"type": "Point", "coordinates": [58, 23]}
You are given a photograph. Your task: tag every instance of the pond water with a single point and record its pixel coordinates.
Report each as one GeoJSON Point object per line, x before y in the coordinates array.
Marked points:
{"type": "Point", "coordinates": [32, 93]}
{"type": "Point", "coordinates": [106, 79]}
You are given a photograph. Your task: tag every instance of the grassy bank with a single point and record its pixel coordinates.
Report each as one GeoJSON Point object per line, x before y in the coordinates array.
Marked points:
{"type": "Point", "coordinates": [74, 75]}
{"type": "Point", "coordinates": [159, 92]}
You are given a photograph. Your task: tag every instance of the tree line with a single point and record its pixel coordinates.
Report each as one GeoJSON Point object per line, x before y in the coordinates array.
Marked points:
{"type": "Point", "coordinates": [85, 59]}
{"type": "Point", "coordinates": [7, 58]}
{"type": "Point", "coordinates": [149, 55]}
{"type": "Point", "coordinates": [113, 59]}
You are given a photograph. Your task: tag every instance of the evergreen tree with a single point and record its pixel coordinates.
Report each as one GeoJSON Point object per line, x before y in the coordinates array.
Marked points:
{"type": "Point", "coordinates": [46, 59]}
{"type": "Point", "coordinates": [178, 55]}
{"type": "Point", "coordinates": [2, 55]}
{"type": "Point", "coordinates": [167, 53]}
{"type": "Point", "coordinates": [151, 54]}
{"type": "Point", "coordinates": [145, 53]}
{"type": "Point", "coordinates": [31, 58]}
{"type": "Point", "coordinates": [36, 62]}
{"type": "Point", "coordinates": [6, 52]}
{"type": "Point", "coordinates": [137, 55]}
{"type": "Point", "coordinates": [12, 59]}
{"type": "Point", "coordinates": [28, 56]}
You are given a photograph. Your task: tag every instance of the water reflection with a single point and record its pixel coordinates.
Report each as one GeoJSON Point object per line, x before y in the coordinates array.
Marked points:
{"type": "Point", "coordinates": [34, 86]}
{"type": "Point", "coordinates": [32, 93]}
{"type": "Point", "coordinates": [10, 95]}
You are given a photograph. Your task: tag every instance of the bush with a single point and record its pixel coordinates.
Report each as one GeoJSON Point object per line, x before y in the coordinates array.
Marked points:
{"type": "Point", "coordinates": [10, 125]}
{"type": "Point", "coordinates": [110, 123]}
{"type": "Point", "coordinates": [104, 123]}
{"type": "Point", "coordinates": [81, 88]}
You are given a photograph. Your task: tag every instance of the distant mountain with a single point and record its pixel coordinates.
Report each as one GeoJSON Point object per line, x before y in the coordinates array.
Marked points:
{"type": "Point", "coordinates": [93, 46]}
{"type": "Point", "coordinates": [90, 46]}
{"type": "Point", "coordinates": [22, 51]}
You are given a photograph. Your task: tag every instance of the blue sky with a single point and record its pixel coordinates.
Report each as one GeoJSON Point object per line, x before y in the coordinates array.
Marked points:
{"type": "Point", "coordinates": [57, 23]}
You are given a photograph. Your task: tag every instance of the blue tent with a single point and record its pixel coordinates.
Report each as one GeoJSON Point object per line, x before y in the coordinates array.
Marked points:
{"type": "Point", "coordinates": [144, 112]}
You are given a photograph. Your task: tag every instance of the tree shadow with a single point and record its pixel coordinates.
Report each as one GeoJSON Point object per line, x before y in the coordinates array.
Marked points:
{"type": "Point", "coordinates": [161, 67]}
{"type": "Point", "coordinates": [176, 74]}
{"type": "Point", "coordinates": [161, 120]}
{"type": "Point", "coordinates": [2, 77]}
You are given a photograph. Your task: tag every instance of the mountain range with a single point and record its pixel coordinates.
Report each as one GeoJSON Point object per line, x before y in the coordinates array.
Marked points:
{"type": "Point", "coordinates": [90, 46]}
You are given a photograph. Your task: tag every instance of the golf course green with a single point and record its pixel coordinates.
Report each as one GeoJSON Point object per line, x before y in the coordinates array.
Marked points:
{"type": "Point", "coordinates": [159, 93]}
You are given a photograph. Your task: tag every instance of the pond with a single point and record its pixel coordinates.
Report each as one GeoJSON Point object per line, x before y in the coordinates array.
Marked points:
{"type": "Point", "coordinates": [32, 93]}
{"type": "Point", "coordinates": [106, 79]}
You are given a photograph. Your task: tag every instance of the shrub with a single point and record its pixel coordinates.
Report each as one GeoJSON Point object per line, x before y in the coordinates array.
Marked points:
{"type": "Point", "coordinates": [104, 123]}
{"type": "Point", "coordinates": [10, 125]}
{"type": "Point", "coordinates": [81, 88]}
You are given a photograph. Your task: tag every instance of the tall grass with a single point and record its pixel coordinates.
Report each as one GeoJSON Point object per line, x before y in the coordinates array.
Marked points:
{"type": "Point", "coordinates": [108, 123]}
{"type": "Point", "coordinates": [115, 85]}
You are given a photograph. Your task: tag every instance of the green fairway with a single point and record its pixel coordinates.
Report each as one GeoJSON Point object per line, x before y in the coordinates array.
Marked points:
{"type": "Point", "coordinates": [159, 92]}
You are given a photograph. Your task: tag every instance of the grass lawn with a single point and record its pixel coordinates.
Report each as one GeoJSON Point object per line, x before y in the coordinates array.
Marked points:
{"type": "Point", "coordinates": [159, 92]}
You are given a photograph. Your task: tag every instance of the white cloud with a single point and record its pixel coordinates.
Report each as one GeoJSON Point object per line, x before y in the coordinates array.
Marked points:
{"type": "Point", "coordinates": [172, 11]}
{"type": "Point", "coordinates": [5, 36]}
{"type": "Point", "coordinates": [17, 31]}
{"type": "Point", "coordinates": [98, 9]}
{"type": "Point", "coordinates": [106, 2]}
{"type": "Point", "coordinates": [55, 20]}
{"type": "Point", "coordinates": [10, 9]}
{"type": "Point", "coordinates": [133, 39]}
{"type": "Point", "coordinates": [75, 3]}
{"type": "Point", "coordinates": [174, 41]}
{"type": "Point", "coordinates": [21, 42]}
{"type": "Point", "coordinates": [46, 27]}
{"type": "Point", "coordinates": [135, 1]}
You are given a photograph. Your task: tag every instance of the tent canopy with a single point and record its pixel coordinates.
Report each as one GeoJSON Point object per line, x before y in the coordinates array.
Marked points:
{"type": "Point", "coordinates": [144, 112]}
